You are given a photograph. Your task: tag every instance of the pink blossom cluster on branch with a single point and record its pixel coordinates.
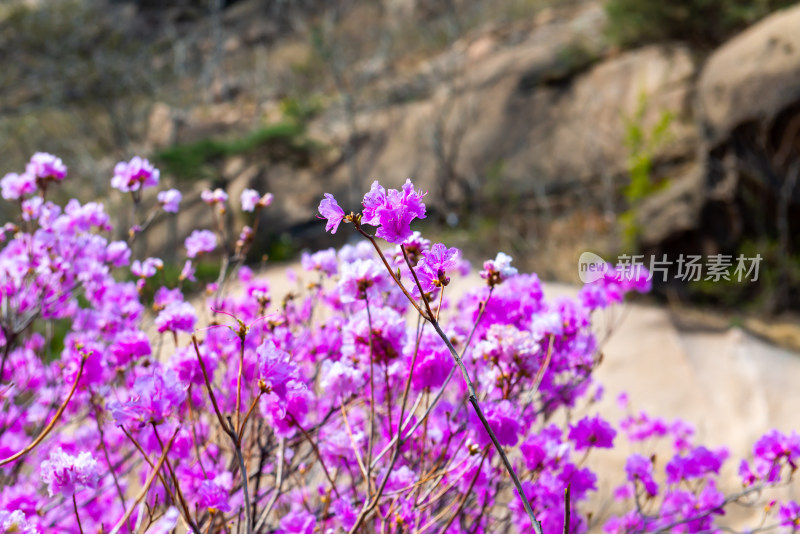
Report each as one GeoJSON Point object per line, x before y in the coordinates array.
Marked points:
{"type": "Point", "coordinates": [366, 399]}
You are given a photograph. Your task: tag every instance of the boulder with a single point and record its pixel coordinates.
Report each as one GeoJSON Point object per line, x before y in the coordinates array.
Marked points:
{"type": "Point", "coordinates": [161, 128]}
{"type": "Point", "coordinates": [494, 116]}
{"type": "Point", "coordinates": [589, 125]}
{"type": "Point", "coordinates": [674, 210]}
{"type": "Point", "coordinates": [752, 77]}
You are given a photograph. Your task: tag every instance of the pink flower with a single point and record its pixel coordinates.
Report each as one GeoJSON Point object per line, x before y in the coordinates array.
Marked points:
{"type": "Point", "coordinates": [373, 202]}
{"type": "Point", "coordinates": [393, 211]}
{"type": "Point", "coordinates": [44, 166]}
{"type": "Point", "coordinates": [31, 208]}
{"type": "Point", "coordinates": [129, 345]}
{"type": "Point", "coordinates": [362, 279]}
{"type": "Point", "coordinates": [773, 451]}
{"type": "Point", "coordinates": [15, 186]}
{"type": "Point", "coordinates": [165, 296]}
{"type": "Point", "coordinates": [592, 432]}
{"type": "Point", "coordinates": [298, 522]}
{"type": "Point", "coordinates": [200, 241]}
{"type": "Point", "coordinates": [276, 371]}
{"type": "Point", "coordinates": [66, 474]}
{"type": "Point", "coordinates": [323, 261]}
{"type": "Point", "coordinates": [187, 273]}
{"type": "Point", "coordinates": [432, 269]}
{"type": "Point", "coordinates": [640, 468]}
{"type": "Point", "coordinates": [138, 173]}
{"type": "Point", "coordinates": [170, 200]}
{"type": "Point", "coordinates": [217, 196]}
{"type": "Point", "coordinates": [498, 270]}
{"type": "Point", "coordinates": [214, 494]}
{"type": "Point", "coordinates": [16, 522]}
{"type": "Point", "coordinates": [118, 254]}
{"type": "Point", "coordinates": [340, 378]}
{"type": "Point", "coordinates": [147, 268]}
{"type": "Point", "coordinates": [503, 419]}
{"type": "Point", "coordinates": [789, 515]}
{"type": "Point", "coordinates": [329, 209]}
{"type": "Point", "coordinates": [176, 317]}
{"type": "Point", "coordinates": [156, 396]}
{"type": "Point", "coordinates": [250, 199]}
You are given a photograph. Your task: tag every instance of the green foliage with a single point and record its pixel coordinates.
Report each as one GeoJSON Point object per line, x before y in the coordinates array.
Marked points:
{"type": "Point", "coordinates": [642, 146]}
{"type": "Point", "coordinates": [300, 110]}
{"type": "Point", "coordinates": [704, 23]}
{"type": "Point", "coordinates": [283, 139]}
{"type": "Point", "coordinates": [576, 57]}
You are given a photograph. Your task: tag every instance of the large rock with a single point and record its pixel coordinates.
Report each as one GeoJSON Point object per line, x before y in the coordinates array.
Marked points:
{"type": "Point", "coordinates": [514, 110]}
{"type": "Point", "coordinates": [673, 211]}
{"type": "Point", "coordinates": [590, 124]}
{"type": "Point", "coordinates": [161, 129]}
{"type": "Point", "coordinates": [753, 77]}
{"type": "Point", "coordinates": [747, 99]}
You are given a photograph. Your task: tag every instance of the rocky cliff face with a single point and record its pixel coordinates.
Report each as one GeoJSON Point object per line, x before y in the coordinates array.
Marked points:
{"type": "Point", "coordinates": [527, 119]}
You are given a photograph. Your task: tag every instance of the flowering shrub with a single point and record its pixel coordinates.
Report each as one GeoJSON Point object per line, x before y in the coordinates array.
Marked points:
{"type": "Point", "coordinates": [364, 401]}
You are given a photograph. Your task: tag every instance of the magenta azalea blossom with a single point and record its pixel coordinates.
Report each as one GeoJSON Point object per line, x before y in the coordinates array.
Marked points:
{"type": "Point", "coordinates": [499, 269]}
{"type": "Point", "coordinates": [315, 397]}
{"type": "Point", "coordinates": [324, 261]}
{"type": "Point", "coordinates": [65, 474]}
{"type": "Point", "coordinates": [187, 272]}
{"type": "Point", "coordinates": [217, 196]}
{"type": "Point", "coordinates": [133, 175]}
{"type": "Point", "coordinates": [276, 371]}
{"type": "Point", "coordinates": [170, 200]}
{"type": "Point", "coordinates": [130, 345]}
{"type": "Point", "coordinates": [44, 166]}
{"type": "Point", "coordinates": [146, 268]}
{"type": "Point", "coordinates": [15, 186]}
{"type": "Point", "coordinates": [156, 396]}
{"type": "Point", "coordinates": [503, 420]}
{"type": "Point", "coordinates": [392, 211]}
{"type": "Point", "coordinates": [329, 209]}
{"type": "Point", "coordinates": [592, 432]}
{"type": "Point", "coordinates": [199, 242]}
{"type": "Point", "coordinates": [789, 515]}
{"type": "Point", "coordinates": [374, 201]}
{"type": "Point", "coordinates": [214, 495]}
{"type": "Point", "coordinates": [432, 269]}
{"type": "Point", "coordinates": [249, 199]}
{"type": "Point", "coordinates": [176, 317]}
{"type": "Point", "coordinates": [16, 522]}
{"type": "Point", "coordinates": [118, 253]}
{"type": "Point", "coordinates": [695, 464]}
{"type": "Point", "coordinates": [362, 279]}
{"type": "Point", "coordinates": [639, 468]}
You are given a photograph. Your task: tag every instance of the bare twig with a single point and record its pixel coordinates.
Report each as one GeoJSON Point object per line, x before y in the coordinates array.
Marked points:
{"type": "Point", "coordinates": [43, 434]}
{"type": "Point", "coordinates": [122, 522]}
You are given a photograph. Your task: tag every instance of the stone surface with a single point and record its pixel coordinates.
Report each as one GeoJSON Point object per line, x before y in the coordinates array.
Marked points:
{"type": "Point", "coordinates": [752, 77]}
{"type": "Point", "coordinates": [161, 128]}
{"type": "Point", "coordinates": [674, 210]}
{"type": "Point", "coordinates": [573, 130]}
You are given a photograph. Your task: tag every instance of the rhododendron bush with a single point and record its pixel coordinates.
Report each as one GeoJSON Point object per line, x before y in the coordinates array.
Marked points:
{"type": "Point", "coordinates": [367, 399]}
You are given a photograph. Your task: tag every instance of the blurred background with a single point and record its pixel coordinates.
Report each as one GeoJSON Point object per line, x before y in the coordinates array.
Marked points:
{"type": "Point", "coordinates": [543, 128]}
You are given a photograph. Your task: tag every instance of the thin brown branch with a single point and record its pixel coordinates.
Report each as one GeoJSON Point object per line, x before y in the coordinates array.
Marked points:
{"type": "Point", "coordinates": [43, 434]}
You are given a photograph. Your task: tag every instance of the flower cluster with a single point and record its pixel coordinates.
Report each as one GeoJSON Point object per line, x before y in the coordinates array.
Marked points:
{"type": "Point", "coordinates": [344, 401]}
{"type": "Point", "coordinates": [67, 474]}
{"type": "Point", "coordinates": [136, 174]}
